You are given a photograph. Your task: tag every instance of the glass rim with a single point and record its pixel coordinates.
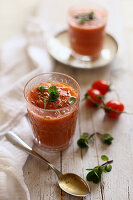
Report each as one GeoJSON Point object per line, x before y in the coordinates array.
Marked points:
{"type": "Point", "coordinates": [90, 5]}
{"type": "Point", "coordinates": [52, 110]}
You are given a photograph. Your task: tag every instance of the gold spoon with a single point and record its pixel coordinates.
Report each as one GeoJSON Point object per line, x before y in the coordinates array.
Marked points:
{"type": "Point", "coordinates": [69, 182]}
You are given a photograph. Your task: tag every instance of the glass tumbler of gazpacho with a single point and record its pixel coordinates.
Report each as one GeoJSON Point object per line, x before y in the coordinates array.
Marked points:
{"type": "Point", "coordinates": [52, 103]}
{"type": "Point", "coordinates": [86, 29]}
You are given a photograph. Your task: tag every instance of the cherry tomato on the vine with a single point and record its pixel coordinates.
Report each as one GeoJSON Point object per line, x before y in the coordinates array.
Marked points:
{"type": "Point", "coordinates": [113, 108]}
{"type": "Point", "coordinates": [93, 97]}
{"type": "Point", "coordinates": [102, 86]}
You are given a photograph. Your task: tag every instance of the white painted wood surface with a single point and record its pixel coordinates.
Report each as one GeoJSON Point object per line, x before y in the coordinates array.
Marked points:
{"type": "Point", "coordinates": [116, 185]}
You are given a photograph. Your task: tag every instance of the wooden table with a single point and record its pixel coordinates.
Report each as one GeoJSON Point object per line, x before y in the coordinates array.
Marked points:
{"type": "Point", "coordinates": [116, 185]}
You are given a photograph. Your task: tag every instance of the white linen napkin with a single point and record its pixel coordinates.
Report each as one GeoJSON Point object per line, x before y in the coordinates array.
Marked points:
{"type": "Point", "coordinates": [15, 70]}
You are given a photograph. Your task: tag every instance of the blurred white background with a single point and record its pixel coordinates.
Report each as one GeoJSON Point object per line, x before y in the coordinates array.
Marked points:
{"type": "Point", "coordinates": [14, 13]}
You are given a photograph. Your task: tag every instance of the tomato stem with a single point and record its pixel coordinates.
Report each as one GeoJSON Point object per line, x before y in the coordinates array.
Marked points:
{"type": "Point", "coordinates": [87, 96]}
{"type": "Point", "coordinates": [98, 133]}
{"type": "Point", "coordinates": [116, 111]}
{"type": "Point", "coordinates": [110, 87]}
{"type": "Point", "coordinates": [91, 136]}
{"type": "Point", "coordinates": [102, 101]}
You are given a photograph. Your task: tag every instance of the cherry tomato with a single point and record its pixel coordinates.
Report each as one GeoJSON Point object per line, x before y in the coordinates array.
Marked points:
{"type": "Point", "coordinates": [93, 97]}
{"type": "Point", "coordinates": [114, 108]}
{"type": "Point", "coordinates": [102, 86]}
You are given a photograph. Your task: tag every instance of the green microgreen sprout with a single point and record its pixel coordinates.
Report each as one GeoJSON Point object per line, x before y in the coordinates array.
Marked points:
{"type": "Point", "coordinates": [104, 158]}
{"type": "Point", "coordinates": [91, 15]}
{"type": "Point", "coordinates": [84, 17]}
{"type": "Point", "coordinates": [45, 103]}
{"type": "Point", "coordinates": [41, 88]}
{"type": "Point", "coordinates": [71, 100]}
{"type": "Point", "coordinates": [107, 138]}
{"type": "Point", "coordinates": [108, 168]}
{"type": "Point", "coordinates": [53, 94]}
{"type": "Point", "coordinates": [95, 173]}
{"type": "Point", "coordinates": [83, 20]}
{"type": "Point", "coordinates": [83, 141]}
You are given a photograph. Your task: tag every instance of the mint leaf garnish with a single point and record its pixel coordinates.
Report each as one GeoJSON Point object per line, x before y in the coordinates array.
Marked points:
{"type": "Point", "coordinates": [41, 88]}
{"type": "Point", "coordinates": [52, 89]}
{"type": "Point", "coordinates": [83, 141]}
{"type": "Point", "coordinates": [107, 138]}
{"type": "Point", "coordinates": [91, 15]}
{"type": "Point", "coordinates": [53, 94]}
{"type": "Point", "coordinates": [82, 20]}
{"type": "Point", "coordinates": [108, 168]}
{"type": "Point", "coordinates": [83, 17]}
{"type": "Point", "coordinates": [71, 100]}
{"type": "Point", "coordinates": [95, 173]}
{"type": "Point", "coordinates": [45, 103]}
{"type": "Point", "coordinates": [104, 158]}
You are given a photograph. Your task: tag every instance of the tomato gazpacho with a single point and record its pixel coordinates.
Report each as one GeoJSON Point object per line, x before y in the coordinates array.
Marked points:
{"type": "Point", "coordinates": [86, 31]}
{"type": "Point", "coordinates": [52, 110]}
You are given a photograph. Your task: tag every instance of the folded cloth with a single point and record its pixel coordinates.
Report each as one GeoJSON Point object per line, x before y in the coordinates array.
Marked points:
{"type": "Point", "coordinates": [16, 69]}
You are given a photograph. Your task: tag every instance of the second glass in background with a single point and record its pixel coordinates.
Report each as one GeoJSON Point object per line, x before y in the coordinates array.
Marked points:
{"type": "Point", "coordinates": [86, 31]}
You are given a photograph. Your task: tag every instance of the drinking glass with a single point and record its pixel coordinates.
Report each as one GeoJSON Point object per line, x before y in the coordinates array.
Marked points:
{"type": "Point", "coordinates": [53, 129]}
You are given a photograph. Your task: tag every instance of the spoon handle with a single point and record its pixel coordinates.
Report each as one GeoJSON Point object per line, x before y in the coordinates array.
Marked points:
{"type": "Point", "coordinates": [17, 141]}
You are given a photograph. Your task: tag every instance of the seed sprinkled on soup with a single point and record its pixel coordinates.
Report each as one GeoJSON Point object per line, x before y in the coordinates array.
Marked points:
{"type": "Point", "coordinates": [52, 95]}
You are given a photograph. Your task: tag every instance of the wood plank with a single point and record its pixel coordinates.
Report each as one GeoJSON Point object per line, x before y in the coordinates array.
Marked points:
{"type": "Point", "coordinates": [89, 157]}
{"type": "Point", "coordinates": [119, 177]}
{"type": "Point", "coordinates": [71, 158]}
{"type": "Point", "coordinates": [42, 181]}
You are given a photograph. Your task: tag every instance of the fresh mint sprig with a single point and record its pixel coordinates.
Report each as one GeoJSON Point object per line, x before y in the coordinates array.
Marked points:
{"type": "Point", "coordinates": [95, 173]}
{"type": "Point", "coordinates": [84, 17]}
{"type": "Point", "coordinates": [104, 158]}
{"type": "Point", "coordinates": [41, 88]}
{"type": "Point", "coordinates": [91, 15]}
{"type": "Point", "coordinates": [53, 93]}
{"type": "Point", "coordinates": [83, 141]}
{"type": "Point", "coordinates": [107, 138]}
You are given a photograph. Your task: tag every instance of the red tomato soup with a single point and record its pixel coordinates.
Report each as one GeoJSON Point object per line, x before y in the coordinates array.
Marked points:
{"type": "Point", "coordinates": [53, 120]}
{"type": "Point", "coordinates": [87, 31]}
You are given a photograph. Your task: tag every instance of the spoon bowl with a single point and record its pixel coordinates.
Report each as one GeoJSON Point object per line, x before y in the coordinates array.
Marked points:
{"type": "Point", "coordinates": [74, 185]}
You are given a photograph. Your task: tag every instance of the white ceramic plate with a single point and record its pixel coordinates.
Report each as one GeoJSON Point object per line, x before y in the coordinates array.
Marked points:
{"type": "Point", "coordinates": [59, 49]}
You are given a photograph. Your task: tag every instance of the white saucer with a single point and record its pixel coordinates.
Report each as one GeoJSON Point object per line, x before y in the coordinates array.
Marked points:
{"type": "Point", "coordinates": [59, 49]}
